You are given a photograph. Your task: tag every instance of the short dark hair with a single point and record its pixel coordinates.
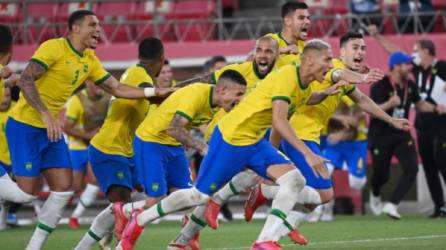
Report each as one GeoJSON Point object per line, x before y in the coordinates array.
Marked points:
{"type": "Point", "coordinates": [233, 76]}
{"type": "Point", "coordinates": [5, 39]}
{"type": "Point", "coordinates": [349, 36]}
{"type": "Point", "coordinates": [150, 48]}
{"type": "Point", "coordinates": [209, 64]}
{"type": "Point", "coordinates": [166, 62]}
{"type": "Point", "coordinates": [429, 45]}
{"type": "Point", "coordinates": [78, 16]}
{"type": "Point", "coordinates": [290, 7]}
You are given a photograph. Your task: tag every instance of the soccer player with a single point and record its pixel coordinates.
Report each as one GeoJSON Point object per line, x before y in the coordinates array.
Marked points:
{"type": "Point", "coordinates": [238, 142]}
{"type": "Point", "coordinates": [34, 134]}
{"type": "Point", "coordinates": [111, 149]}
{"type": "Point", "coordinates": [265, 53]}
{"type": "Point", "coordinates": [291, 39]}
{"type": "Point", "coordinates": [85, 114]}
{"type": "Point", "coordinates": [310, 120]}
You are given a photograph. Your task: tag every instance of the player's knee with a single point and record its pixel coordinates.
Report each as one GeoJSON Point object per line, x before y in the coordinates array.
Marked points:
{"type": "Point", "coordinates": [356, 183]}
{"type": "Point", "coordinates": [197, 197]}
{"type": "Point", "coordinates": [244, 180]}
{"type": "Point", "coordinates": [293, 180]}
{"type": "Point", "coordinates": [326, 195]}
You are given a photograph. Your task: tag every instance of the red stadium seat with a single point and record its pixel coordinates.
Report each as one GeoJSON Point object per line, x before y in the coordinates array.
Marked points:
{"type": "Point", "coordinates": [113, 17]}
{"type": "Point", "coordinates": [193, 30]}
{"type": "Point", "coordinates": [65, 9]}
{"type": "Point", "coordinates": [40, 18]}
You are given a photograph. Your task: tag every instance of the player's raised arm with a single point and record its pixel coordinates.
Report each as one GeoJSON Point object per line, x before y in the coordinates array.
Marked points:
{"type": "Point", "coordinates": [369, 106]}
{"type": "Point", "coordinates": [117, 89]}
{"type": "Point", "coordinates": [177, 129]}
{"type": "Point", "coordinates": [350, 76]}
{"type": "Point", "coordinates": [388, 46]}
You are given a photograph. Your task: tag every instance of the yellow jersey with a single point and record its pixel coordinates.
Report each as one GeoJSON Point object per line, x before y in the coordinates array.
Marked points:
{"type": "Point", "coordinates": [124, 116]}
{"type": "Point", "coordinates": [75, 113]}
{"type": "Point", "coordinates": [193, 102]}
{"type": "Point", "coordinates": [4, 150]}
{"type": "Point", "coordinates": [309, 120]}
{"type": "Point", "coordinates": [285, 59]}
{"type": "Point", "coordinates": [247, 123]}
{"type": "Point", "coordinates": [252, 77]}
{"type": "Point", "coordinates": [66, 70]}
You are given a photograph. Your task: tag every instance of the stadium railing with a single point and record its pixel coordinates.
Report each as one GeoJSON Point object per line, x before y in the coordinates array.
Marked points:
{"type": "Point", "coordinates": [33, 22]}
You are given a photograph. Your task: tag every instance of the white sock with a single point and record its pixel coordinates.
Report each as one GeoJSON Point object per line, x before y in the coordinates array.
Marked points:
{"type": "Point", "coordinates": [4, 215]}
{"type": "Point", "coordinates": [289, 185]}
{"type": "Point", "coordinates": [327, 208]}
{"type": "Point", "coordinates": [293, 218]}
{"type": "Point", "coordinates": [269, 191]}
{"type": "Point", "coordinates": [85, 200]}
{"type": "Point", "coordinates": [10, 191]}
{"type": "Point", "coordinates": [177, 200]}
{"type": "Point", "coordinates": [238, 183]}
{"type": "Point", "coordinates": [129, 207]}
{"type": "Point", "coordinates": [48, 218]}
{"type": "Point", "coordinates": [308, 195]}
{"type": "Point", "coordinates": [102, 225]}
{"type": "Point", "coordinates": [37, 206]}
{"type": "Point", "coordinates": [195, 224]}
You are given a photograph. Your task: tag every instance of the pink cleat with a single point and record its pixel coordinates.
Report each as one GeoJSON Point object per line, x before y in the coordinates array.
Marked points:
{"type": "Point", "coordinates": [120, 219]}
{"type": "Point", "coordinates": [266, 245]}
{"type": "Point", "coordinates": [131, 232]}
{"type": "Point", "coordinates": [297, 238]}
{"type": "Point", "coordinates": [194, 243]}
{"type": "Point", "coordinates": [74, 223]}
{"type": "Point", "coordinates": [211, 213]}
{"type": "Point", "coordinates": [254, 201]}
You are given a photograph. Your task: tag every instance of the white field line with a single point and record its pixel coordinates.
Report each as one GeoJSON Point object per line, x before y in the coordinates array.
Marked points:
{"type": "Point", "coordinates": [340, 242]}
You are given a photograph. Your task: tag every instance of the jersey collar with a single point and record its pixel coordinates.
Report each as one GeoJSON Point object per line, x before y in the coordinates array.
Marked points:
{"type": "Point", "coordinates": [144, 67]}
{"type": "Point", "coordinates": [298, 78]}
{"type": "Point", "coordinates": [73, 49]}
{"type": "Point", "coordinates": [257, 73]}
{"type": "Point", "coordinates": [211, 91]}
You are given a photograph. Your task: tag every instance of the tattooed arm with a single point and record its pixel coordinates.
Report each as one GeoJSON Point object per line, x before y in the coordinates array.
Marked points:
{"type": "Point", "coordinates": [177, 129]}
{"type": "Point", "coordinates": [32, 72]}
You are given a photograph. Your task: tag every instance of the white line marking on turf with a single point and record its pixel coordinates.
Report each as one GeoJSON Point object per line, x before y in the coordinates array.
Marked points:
{"type": "Point", "coordinates": [348, 241]}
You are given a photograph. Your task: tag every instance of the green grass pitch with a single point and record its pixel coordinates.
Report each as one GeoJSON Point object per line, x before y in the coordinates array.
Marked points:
{"type": "Point", "coordinates": [345, 232]}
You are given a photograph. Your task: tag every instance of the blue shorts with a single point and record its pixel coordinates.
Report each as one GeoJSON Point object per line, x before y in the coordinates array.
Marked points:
{"type": "Point", "coordinates": [223, 161]}
{"type": "Point", "coordinates": [5, 169]}
{"type": "Point", "coordinates": [112, 170]}
{"type": "Point", "coordinates": [79, 159]}
{"type": "Point", "coordinates": [323, 143]}
{"type": "Point", "coordinates": [317, 182]}
{"type": "Point", "coordinates": [32, 152]}
{"type": "Point", "coordinates": [354, 153]}
{"type": "Point", "coordinates": [161, 167]}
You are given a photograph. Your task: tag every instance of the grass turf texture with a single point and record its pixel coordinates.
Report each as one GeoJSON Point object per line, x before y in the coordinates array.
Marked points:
{"type": "Point", "coordinates": [346, 232]}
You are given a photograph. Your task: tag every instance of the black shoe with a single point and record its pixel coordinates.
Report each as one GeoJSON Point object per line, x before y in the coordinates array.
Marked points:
{"type": "Point", "coordinates": [439, 213]}
{"type": "Point", "coordinates": [227, 214]}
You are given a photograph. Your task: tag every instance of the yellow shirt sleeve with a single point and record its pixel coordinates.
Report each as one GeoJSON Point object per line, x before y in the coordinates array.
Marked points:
{"type": "Point", "coordinates": [98, 74]}
{"type": "Point", "coordinates": [283, 87]}
{"type": "Point", "coordinates": [188, 109]}
{"type": "Point", "coordinates": [74, 109]}
{"type": "Point", "coordinates": [47, 53]}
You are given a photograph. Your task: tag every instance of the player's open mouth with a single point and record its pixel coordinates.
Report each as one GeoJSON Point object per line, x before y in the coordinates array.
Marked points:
{"type": "Point", "coordinates": [96, 37]}
{"type": "Point", "coordinates": [358, 60]}
{"type": "Point", "coordinates": [263, 65]}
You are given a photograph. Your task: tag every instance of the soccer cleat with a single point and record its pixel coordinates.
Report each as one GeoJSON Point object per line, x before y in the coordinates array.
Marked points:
{"type": "Point", "coordinates": [176, 246]}
{"type": "Point", "coordinates": [297, 238]}
{"type": "Point", "coordinates": [391, 210]}
{"type": "Point", "coordinates": [131, 232]}
{"type": "Point", "coordinates": [254, 201]}
{"type": "Point", "coordinates": [194, 243]}
{"type": "Point", "coordinates": [74, 223]}
{"type": "Point", "coordinates": [211, 213]}
{"type": "Point", "coordinates": [375, 204]}
{"type": "Point", "coordinates": [120, 219]}
{"type": "Point", "coordinates": [266, 245]}
{"type": "Point", "coordinates": [438, 213]}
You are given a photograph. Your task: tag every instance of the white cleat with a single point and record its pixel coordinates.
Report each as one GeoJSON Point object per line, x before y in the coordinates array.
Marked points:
{"type": "Point", "coordinates": [375, 204]}
{"type": "Point", "coordinates": [391, 210]}
{"type": "Point", "coordinates": [315, 215]}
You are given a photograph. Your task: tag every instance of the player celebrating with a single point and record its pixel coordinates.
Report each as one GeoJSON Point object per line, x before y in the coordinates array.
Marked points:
{"type": "Point", "coordinates": [56, 69]}
{"type": "Point", "coordinates": [240, 133]}
{"type": "Point", "coordinates": [295, 25]}
{"type": "Point", "coordinates": [111, 150]}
